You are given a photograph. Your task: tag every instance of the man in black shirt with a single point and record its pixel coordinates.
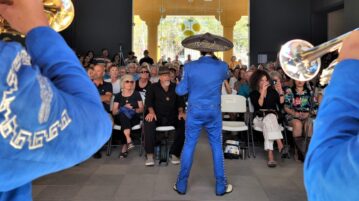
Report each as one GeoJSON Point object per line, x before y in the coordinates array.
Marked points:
{"type": "Point", "coordinates": [104, 88]}
{"type": "Point", "coordinates": [105, 91]}
{"type": "Point", "coordinates": [146, 58]}
{"type": "Point", "coordinates": [165, 108]}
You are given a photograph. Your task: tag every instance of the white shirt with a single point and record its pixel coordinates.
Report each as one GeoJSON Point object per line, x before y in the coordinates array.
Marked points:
{"type": "Point", "coordinates": [116, 86]}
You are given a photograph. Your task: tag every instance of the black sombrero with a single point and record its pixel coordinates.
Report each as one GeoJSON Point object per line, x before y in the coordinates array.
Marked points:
{"type": "Point", "coordinates": [207, 43]}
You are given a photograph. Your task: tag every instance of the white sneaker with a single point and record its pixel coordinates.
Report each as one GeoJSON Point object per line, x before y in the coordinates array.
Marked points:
{"type": "Point", "coordinates": [175, 160]}
{"type": "Point", "coordinates": [229, 189]}
{"type": "Point", "coordinates": [150, 161]}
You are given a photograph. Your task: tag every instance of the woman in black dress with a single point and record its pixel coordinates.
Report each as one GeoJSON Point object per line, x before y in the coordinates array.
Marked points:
{"type": "Point", "coordinates": [126, 109]}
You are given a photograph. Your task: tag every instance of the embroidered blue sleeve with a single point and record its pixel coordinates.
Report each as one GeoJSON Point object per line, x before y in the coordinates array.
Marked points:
{"type": "Point", "coordinates": [51, 115]}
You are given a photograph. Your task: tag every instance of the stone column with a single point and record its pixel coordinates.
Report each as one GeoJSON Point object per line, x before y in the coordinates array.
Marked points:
{"type": "Point", "coordinates": [228, 33]}
{"type": "Point", "coordinates": [152, 22]}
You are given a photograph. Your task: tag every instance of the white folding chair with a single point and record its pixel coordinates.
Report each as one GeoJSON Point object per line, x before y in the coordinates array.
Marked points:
{"type": "Point", "coordinates": [235, 104]}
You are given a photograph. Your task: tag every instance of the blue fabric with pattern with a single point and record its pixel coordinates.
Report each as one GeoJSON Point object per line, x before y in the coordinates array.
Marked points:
{"type": "Point", "coordinates": [51, 115]}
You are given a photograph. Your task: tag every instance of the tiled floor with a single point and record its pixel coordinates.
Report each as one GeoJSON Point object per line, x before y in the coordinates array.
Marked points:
{"type": "Point", "coordinates": [114, 179]}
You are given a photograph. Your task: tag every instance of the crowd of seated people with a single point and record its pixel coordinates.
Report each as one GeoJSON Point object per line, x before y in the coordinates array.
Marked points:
{"type": "Point", "coordinates": [285, 100]}
{"type": "Point", "coordinates": [126, 86]}
{"type": "Point", "coordinates": [271, 92]}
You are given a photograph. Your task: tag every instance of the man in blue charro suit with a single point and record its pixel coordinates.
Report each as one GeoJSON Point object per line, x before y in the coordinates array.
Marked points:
{"type": "Point", "coordinates": [202, 81]}
{"type": "Point", "coordinates": [47, 104]}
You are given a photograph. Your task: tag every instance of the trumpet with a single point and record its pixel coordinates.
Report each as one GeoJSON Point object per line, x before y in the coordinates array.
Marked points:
{"type": "Point", "coordinates": [300, 60]}
{"type": "Point", "coordinates": [60, 14]}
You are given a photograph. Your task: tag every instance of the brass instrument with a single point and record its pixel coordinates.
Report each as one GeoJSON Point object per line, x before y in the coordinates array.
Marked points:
{"type": "Point", "coordinates": [60, 13]}
{"type": "Point", "coordinates": [301, 61]}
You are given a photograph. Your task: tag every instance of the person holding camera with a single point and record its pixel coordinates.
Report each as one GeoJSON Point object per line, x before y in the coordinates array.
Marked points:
{"type": "Point", "coordinates": [266, 100]}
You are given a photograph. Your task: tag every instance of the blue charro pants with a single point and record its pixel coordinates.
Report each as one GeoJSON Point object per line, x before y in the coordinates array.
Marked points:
{"type": "Point", "coordinates": [209, 117]}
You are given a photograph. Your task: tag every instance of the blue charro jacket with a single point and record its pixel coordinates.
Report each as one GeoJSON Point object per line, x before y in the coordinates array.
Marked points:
{"type": "Point", "coordinates": [331, 169]}
{"type": "Point", "coordinates": [204, 89]}
{"type": "Point", "coordinates": [51, 115]}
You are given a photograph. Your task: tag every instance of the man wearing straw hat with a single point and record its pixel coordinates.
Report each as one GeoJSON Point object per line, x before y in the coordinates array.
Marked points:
{"type": "Point", "coordinates": [204, 106]}
{"type": "Point", "coordinates": [47, 104]}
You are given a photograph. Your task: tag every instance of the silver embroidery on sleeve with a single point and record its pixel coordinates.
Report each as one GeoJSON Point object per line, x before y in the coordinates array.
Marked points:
{"type": "Point", "coordinates": [46, 95]}
{"type": "Point", "coordinates": [11, 129]}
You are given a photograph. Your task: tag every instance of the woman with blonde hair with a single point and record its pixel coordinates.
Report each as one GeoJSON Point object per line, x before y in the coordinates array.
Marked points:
{"type": "Point", "coordinates": [126, 109]}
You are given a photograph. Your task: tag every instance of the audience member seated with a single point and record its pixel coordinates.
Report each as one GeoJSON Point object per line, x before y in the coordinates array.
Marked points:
{"type": "Point", "coordinates": [90, 72]}
{"type": "Point", "coordinates": [235, 76]}
{"type": "Point", "coordinates": [127, 108]}
{"type": "Point", "coordinates": [287, 81]}
{"type": "Point", "coordinates": [173, 75]}
{"type": "Point", "coordinates": [122, 71]}
{"type": "Point", "coordinates": [226, 89]}
{"type": "Point", "coordinates": [240, 79]}
{"type": "Point", "coordinates": [131, 58]}
{"type": "Point", "coordinates": [132, 70]}
{"type": "Point", "coordinates": [277, 81]}
{"type": "Point", "coordinates": [104, 58]}
{"type": "Point", "coordinates": [116, 60]}
{"type": "Point", "coordinates": [114, 79]}
{"type": "Point", "coordinates": [154, 74]}
{"type": "Point", "coordinates": [165, 108]}
{"type": "Point", "coordinates": [189, 59]}
{"type": "Point", "coordinates": [143, 83]}
{"type": "Point", "coordinates": [86, 62]}
{"type": "Point", "coordinates": [266, 100]}
{"type": "Point", "coordinates": [297, 106]}
{"type": "Point", "coordinates": [176, 61]}
{"type": "Point", "coordinates": [233, 63]}
{"type": "Point", "coordinates": [242, 86]}
{"type": "Point", "coordinates": [90, 54]}
{"type": "Point", "coordinates": [105, 91]}
{"type": "Point", "coordinates": [146, 58]}
{"type": "Point", "coordinates": [270, 67]}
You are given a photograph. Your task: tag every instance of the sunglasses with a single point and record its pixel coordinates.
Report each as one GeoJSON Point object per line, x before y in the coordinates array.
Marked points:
{"type": "Point", "coordinates": [143, 72]}
{"type": "Point", "coordinates": [130, 81]}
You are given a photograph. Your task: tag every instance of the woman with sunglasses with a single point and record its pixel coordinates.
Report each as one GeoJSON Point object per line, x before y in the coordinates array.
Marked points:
{"type": "Point", "coordinates": [126, 109]}
{"type": "Point", "coordinates": [143, 83]}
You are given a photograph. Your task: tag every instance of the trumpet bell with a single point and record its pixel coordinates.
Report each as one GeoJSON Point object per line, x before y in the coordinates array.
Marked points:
{"type": "Point", "coordinates": [59, 12]}
{"type": "Point", "coordinates": [294, 65]}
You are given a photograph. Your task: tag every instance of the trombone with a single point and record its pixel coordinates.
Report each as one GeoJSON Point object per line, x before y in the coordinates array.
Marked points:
{"type": "Point", "coordinates": [60, 14]}
{"type": "Point", "coordinates": [300, 60]}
